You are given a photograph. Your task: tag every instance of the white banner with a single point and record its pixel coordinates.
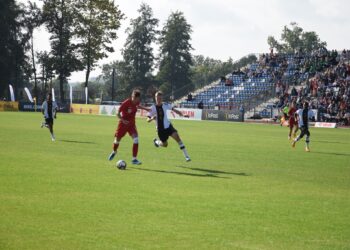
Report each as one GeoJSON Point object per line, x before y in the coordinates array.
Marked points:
{"type": "Point", "coordinates": [12, 93]}
{"type": "Point", "coordinates": [28, 94]}
{"type": "Point", "coordinates": [109, 110]}
{"type": "Point", "coordinates": [194, 114]}
{"type": "Point", "coordinates": [325, 125]}
{"type": "Point", "coordinates": [71, 93]}
{"type": "Point", "coordinates": [53, 94]}
{"type": "Point", "coordinates": [86, 95]}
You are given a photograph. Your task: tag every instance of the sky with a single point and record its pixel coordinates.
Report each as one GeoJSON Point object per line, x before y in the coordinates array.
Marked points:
{"type": "Point", "coordinates": [233, 28]}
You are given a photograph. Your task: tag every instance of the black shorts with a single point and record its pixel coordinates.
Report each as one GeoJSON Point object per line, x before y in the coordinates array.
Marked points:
{"type": "Point", "coordinates": [304, 131]}
{"type": "Point", "coordinates": [164, 134]}
{"type": "Point", "coordinates": [49, 120]}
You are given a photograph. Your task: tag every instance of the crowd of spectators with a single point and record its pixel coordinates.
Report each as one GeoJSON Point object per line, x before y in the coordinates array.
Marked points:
{"type": "Point", "coordinates": [327, 86]}
{"type": "Point", "coordinates": [321, 77]}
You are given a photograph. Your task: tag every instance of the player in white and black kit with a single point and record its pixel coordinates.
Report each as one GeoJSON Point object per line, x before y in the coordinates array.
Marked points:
{"type": "Point", "coordinates": [303, 115]}
{"type": "Point", "coordinates": [49, 109]}
{"type": "Point", "coordinates": [164, 127]}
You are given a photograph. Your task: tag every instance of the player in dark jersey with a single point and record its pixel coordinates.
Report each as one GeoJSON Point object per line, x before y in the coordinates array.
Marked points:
{"type": "Point", "coordinates": [165, 129]}
{"type": "Point", "coordinates": [293, 122]}
{"type": "Point", "coordinates": [49, 109]}
{"type": "Point", "coordinates": [303, 116]}
{"type": "Point", "coordinates": [127, 124]}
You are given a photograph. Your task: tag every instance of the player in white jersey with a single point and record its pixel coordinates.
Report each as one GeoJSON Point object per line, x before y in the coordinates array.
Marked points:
{"type": "Point", "coordinates": [165, 129]}
{"type": "Point", "coordinates": [49, 109]}
{"type": "Point", "coordinates": [303, 116]}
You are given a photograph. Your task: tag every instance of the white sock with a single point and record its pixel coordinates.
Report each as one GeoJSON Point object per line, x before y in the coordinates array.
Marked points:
{"type": "Point", "coordinates": [307, 141]}
{"type": "Point", "coordinates": [183, 148]}
{"type": "Point", "coordinates": [185, 153]}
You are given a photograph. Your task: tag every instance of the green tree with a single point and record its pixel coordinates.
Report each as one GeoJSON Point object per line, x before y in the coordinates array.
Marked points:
{"type": "Point", "coordinates": [138, 51]}
{"type": "Point", "coordinates": [33, 20]}
{"type": "Point", "coordinates": [121, 88]}
{"type": "Point", "coordinates": [206, 70]}
{"type": "Point", "coordinates": [95, 88]}
{"type": "Point", "coordinates": [294, 39]}
{"type": "Point", "coordinates": [13, 45]}
{"type": "Point", "coordinates": [58, 16]}
{"type": "Point", "coordinates": [175, 58]}
{"type": "Point", "coordinates": [96, 24]}
{"type": "Point", "coordinates": [45, 61]}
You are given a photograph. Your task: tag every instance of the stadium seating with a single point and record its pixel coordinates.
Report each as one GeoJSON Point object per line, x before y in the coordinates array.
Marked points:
{"type": "Point", "coordinates": [285, 70]}
{"type": "Point", "coordinates": [257, 78]}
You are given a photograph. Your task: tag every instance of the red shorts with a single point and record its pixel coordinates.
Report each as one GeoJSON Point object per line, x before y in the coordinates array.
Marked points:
{"type": "Point", "coordinates": [123, 129]}
{"type": "Point", "coordinates": [292, 123]}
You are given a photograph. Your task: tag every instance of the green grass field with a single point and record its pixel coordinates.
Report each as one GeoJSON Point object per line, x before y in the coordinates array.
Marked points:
{"type": "Point", "coordinates": [245, 188]}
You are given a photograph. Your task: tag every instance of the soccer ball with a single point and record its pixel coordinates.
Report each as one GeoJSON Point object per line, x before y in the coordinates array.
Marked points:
{"type": "Point", "coordinates": [121, 165]}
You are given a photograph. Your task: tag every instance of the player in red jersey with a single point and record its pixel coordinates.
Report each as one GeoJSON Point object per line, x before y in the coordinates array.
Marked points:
{"type": "Point", "coordinates": [126, 115]}
{"type": "Point", "coordinates": [293, 123]}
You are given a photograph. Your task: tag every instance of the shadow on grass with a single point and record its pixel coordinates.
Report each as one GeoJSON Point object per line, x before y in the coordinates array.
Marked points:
{"type": "Point", "coordinates": [210, 175]}
{"type": "Point", "coordinates": [332, 142]}
{"type": "Point", "coordinates": [330, 153]}
{"type": "Point", "coordinates": [211, 171]}
{"type": "Point", "coordinates": [82, 142]}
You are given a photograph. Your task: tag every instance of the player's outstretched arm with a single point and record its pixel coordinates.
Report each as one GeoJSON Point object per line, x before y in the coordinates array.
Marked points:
{"type": "Point", "coordinates": [144, 108]}
{"type": "Point", "coordinates": [180, 113]}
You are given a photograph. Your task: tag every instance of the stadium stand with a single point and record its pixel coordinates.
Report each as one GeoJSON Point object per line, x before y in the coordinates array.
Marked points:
{"type": "Point", "coordinates": [323, 78]}
{"type": "Point", "coordinates": [253, 84]}
{"type": "Point", "coordinates": [327, 88]}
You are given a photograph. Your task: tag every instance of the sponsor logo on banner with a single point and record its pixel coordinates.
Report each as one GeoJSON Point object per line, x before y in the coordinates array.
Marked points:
{"type": "Point", "coordinates": [212, 116]}
{"type": "Point", "coordinates": [221, 115]}
{"type": "Point", "coordinates": [232, 117]}
{"type": "Point", "coordinates": [111, 110]}
{"type": "Point", "coordinates": [27, 106]}
{"type": "Point", "coordinates": [215, 115]}
{"type": "Point", "coordinates": [325, 125]}
{"type": "Point", "coordinates": [193, 114]}
{"type": "Point", "coordinates": [85, 109]}
{"type": "Point", "coordinates": [8, 106]}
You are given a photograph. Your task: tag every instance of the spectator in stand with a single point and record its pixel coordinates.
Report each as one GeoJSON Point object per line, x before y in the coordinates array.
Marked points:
{"type": "Point", "coordinates": [328, 89]}
{"type": "Point", "coordinates": [231, 104]}
{"type": "Point", "coordinates": [189, 97]}
{"type": "Point", "coordinates": [223, 79]}
{"type": "Point", "coordinates": [278, 88]}
{"type": "Point", "coordinates": [200, 105]}
{"type": "Point", "coordinates": [294, 92]}
{"type": "Point", "coordinates": [228, 82]}
{"type": "Point", "coordinates": [314, 87]}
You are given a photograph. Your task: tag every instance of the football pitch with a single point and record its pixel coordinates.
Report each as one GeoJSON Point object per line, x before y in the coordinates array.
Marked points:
{"type": "Point", "coordinates": [246, 188]}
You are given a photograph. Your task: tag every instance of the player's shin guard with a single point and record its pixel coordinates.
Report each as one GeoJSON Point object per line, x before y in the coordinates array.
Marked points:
{"type": "Point", "coordinates": [307, 141]}
{"type": "Point", "coordinates": [183, 148]}
{"type": "Point", "coordinates": [115, 145]}
{"type": "Point", "coordinates": [135, 147]}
